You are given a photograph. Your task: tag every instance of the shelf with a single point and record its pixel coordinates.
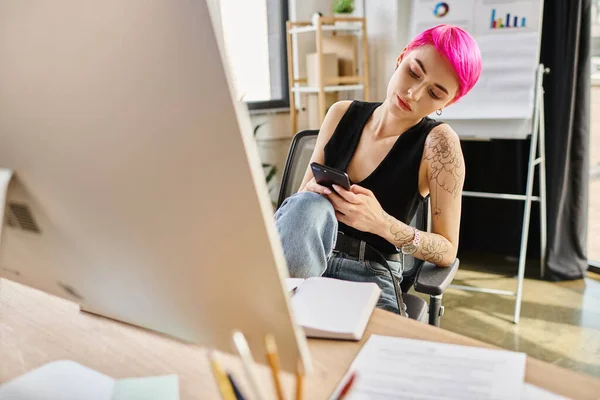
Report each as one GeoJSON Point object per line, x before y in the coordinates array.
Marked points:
{"type": "Point", "coordinates": [356, 27]}
{"type": "Point", "coordinates": [344, 80]}
{"type": "Point", "coordinates": [324, 83]}
{"type": "Point", "coordinates": [328, 89]}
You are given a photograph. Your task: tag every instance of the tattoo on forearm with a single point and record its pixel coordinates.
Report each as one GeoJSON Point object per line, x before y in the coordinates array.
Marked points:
{"type": "Point", "coordinates": [434, 249]}
{"type": "Point", "coordinates": [446, 163]}
{"type": "Point", "coordinates": [402, 233]}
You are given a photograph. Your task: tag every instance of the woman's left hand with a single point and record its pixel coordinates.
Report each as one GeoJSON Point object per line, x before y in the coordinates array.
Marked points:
{"type": "Point", "coordinates": [357, 208]}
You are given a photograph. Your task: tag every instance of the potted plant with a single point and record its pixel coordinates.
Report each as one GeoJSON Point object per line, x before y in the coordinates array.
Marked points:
{"type": "Point", "coordinates": [343, 8]}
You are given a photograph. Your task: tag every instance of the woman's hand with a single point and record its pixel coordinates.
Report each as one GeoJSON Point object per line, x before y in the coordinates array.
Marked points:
{"type": "Point", "coordinates": [313, 186]}
{"type": "Point", "coordinates": [357, 208]}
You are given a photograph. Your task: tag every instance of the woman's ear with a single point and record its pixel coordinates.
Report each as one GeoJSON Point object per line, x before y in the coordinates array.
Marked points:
{"type": "Point", "coordinates": [400, 57]}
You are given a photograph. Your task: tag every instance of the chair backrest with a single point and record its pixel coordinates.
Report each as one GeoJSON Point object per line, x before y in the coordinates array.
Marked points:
{"type": "Point", "coordinates": [297, 161]}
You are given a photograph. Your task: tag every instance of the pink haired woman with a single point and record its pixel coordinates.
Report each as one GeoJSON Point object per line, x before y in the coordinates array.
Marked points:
{"type": "Point", "coordinates": [396, 157]}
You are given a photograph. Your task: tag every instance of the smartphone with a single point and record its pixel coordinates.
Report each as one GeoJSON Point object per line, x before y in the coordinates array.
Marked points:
{"type": "Point", "coordinates": [326, 176]}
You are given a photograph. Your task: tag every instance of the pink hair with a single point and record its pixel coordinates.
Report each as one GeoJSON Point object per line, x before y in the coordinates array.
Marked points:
{"type": "Point", "coordinates": [458, 47]}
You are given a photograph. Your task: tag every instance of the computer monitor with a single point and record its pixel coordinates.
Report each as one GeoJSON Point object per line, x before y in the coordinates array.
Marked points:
{"type": "Point", "coordinates": [137, 189]}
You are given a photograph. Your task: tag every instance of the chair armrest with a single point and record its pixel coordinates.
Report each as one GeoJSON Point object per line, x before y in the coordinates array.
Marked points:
{"type": "Point", "coordinates": [433, 280]}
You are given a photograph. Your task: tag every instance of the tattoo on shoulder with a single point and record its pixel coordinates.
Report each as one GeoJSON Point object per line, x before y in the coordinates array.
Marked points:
{"type": "Point", "coordinates": [446, 162]}
{"type": "Point", "coordinates": [434, 249]}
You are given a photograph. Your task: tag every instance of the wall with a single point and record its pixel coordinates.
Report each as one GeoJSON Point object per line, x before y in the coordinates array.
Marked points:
{"type": "Point", "coordinates": [387, 33]}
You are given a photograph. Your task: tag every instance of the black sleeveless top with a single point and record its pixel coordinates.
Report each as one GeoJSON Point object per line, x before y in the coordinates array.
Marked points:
{"type": "Point", "coordinates": [395, 181]}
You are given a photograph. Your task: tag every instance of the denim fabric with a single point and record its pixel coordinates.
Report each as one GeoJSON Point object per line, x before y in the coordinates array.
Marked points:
{"type": "Point", "coordinates": [308, 229]}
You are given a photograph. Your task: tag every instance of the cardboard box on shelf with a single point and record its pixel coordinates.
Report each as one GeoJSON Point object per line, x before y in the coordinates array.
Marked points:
{"type": "Point", "coordinates": [346, 49]}
{"type": "Point", "coordinates": [330, 68]}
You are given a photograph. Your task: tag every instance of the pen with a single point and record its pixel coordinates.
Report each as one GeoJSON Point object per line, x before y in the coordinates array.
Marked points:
{"type": "Point", "coordinates": [236, 390]}
{"type": "Point", "coordinates": [241, 345]}
{"type": "Point", "coordinates": [346, 389]}
{"type": "Point", "coordinates": [223, 382]}
{"type": "Point", "coordinates": [273, 359]}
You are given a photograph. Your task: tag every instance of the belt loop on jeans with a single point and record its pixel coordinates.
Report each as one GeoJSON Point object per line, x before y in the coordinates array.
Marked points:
{"type": "Point", "coordinates": [361, 251]}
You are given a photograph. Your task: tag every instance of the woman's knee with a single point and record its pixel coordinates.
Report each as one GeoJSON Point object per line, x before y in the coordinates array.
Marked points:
{"type": "Point", "coordinates": [307, 200]}
{"type": "Point", "coordinates": [306, 208]}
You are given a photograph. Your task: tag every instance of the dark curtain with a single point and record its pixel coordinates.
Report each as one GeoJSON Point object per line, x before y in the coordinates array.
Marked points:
{"type": "Point", "coordinates": [501, 166]}
{"type": "Point", "coordinates": [566, 50]}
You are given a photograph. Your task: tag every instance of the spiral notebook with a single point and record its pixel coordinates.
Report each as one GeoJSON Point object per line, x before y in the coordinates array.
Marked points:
{"type": "Point", "coordinates": [331, 308]}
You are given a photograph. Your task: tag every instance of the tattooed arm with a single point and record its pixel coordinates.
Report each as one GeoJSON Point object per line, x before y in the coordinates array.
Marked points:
{"type": "Point", "coordinates": [444, 163]}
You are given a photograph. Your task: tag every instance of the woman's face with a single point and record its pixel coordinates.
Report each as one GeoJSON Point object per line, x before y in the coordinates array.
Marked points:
{"type": "Point", "coordinates": [423, 82]}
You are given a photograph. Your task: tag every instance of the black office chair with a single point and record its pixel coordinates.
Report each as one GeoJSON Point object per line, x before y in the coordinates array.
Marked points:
{"type": "Point", "coordinates": [424, 276]}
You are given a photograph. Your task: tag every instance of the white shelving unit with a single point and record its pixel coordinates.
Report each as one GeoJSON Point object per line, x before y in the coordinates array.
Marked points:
{"type": "Point", "coordinates": [298, 85]}
{"type": "Point", "coordinates": [328, 89]}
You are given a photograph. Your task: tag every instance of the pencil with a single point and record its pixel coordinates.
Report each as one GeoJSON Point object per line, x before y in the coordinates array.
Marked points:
{"type": "Point", "coordinates": [223, 382]}
{"type": "Point", "coordinates": [241, 345]}
{"type": "Point", "coordinates": [299, 384]}
{"type": "Point", "coordinates": [273, 359]}
{"type": "Point", "coordinates": [346, 389]}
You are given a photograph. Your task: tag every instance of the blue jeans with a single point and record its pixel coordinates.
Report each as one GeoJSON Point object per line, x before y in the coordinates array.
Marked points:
{"type": "Point", "coordinates": [308, 229]}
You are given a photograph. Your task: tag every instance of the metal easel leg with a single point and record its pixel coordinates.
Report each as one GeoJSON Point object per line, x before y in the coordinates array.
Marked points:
{"type": "Point", "coordinates": [543, 221]}
{"type": "Point", "coordinates": [528, 194]}
{"type": "Point", "coordinates": [525, 231]}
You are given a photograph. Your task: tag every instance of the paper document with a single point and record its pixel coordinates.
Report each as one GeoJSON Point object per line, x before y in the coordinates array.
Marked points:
{"type": "Point", "coordinates": [531, 392]}
{"type": "Point", "coordinates": [68, 380]}
{"type": "Point", "coordinates": [508, 35]}
{"type": "Point", "coordinates": [147, 388]}
{"type": "Point", "coordinates": [398, 368]}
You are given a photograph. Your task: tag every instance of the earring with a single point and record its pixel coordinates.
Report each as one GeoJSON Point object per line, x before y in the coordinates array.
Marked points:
{"type": "Point", "coordinates": [439, 112]}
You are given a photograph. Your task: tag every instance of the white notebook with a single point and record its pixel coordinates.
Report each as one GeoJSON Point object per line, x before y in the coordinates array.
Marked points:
{"type": "Point", "coordinates": [332, 308]}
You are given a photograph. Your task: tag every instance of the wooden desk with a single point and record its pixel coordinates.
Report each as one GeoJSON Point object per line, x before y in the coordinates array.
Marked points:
{"type": "Point", "coordinates": [36, 328]}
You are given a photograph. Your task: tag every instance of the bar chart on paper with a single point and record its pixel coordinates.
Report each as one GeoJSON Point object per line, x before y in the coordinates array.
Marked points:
{"type": "Point", "coordinates": [506, 16]}
{"type": "Point", "coordinates": [511, 21]}
{"type": "Point", "coordinates": [508, 35]}
{"type": "Point", "coordinates": [478, 17]}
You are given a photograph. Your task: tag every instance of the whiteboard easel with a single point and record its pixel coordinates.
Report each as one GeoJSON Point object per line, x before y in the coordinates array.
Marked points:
{"type": "Point", "coordinates": [535, 160]}
{"type": "Point", "coordinates": [515, 117]}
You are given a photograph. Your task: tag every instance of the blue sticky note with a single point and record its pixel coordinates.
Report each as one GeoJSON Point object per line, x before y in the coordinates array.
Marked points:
{"type": "Point", "coordinates": [147, 388]}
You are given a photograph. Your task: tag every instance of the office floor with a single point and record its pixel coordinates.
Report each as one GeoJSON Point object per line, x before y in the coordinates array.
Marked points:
{"type": "Point", "coordinates": [560, 321]}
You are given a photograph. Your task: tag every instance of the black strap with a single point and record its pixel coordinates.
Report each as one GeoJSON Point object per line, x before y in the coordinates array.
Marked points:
{"type": "Point", "coordinates": [351, 246]}
{"type": "Point", "coordinates": [379, 258]}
